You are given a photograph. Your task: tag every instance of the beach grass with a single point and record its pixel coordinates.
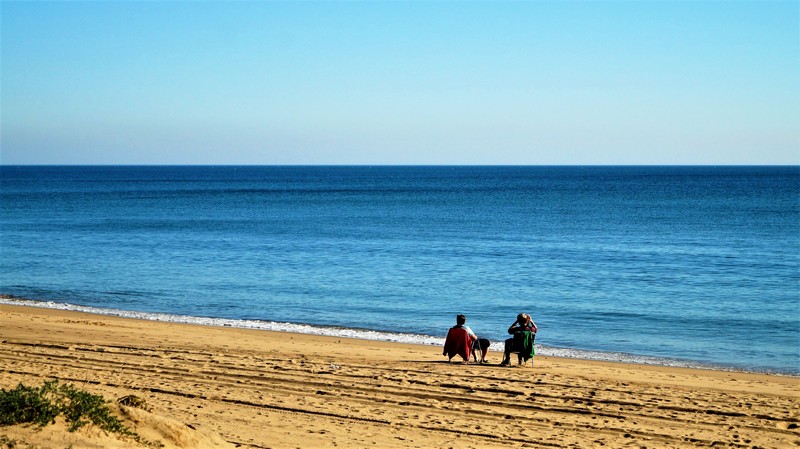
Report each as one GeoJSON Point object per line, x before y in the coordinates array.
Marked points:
{"type": "Point", "coordinates": [42, 405]}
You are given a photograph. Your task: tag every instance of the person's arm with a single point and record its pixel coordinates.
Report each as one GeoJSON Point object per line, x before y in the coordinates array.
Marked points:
{"type": "Point", "coordinates": [535, 329]}
{"type": "Point", "coordinates": [514, 328]}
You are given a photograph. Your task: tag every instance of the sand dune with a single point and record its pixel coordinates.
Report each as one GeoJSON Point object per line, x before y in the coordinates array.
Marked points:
{"type": "Point", "coordinates": [258, 389]}
{"type": "Point", "coordinates": [153, 430]}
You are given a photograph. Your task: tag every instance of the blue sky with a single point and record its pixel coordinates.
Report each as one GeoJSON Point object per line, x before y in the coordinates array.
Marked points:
{"type": "Point", "coordinates": [649, 82]}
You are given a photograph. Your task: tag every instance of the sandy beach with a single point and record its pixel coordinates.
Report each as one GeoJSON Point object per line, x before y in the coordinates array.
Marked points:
{"type": "Point", "coordinates": [225, 387]}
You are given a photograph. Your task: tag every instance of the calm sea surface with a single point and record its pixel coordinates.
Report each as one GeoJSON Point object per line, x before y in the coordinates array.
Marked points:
{"type": "Point", "coordinates": [695, 266]}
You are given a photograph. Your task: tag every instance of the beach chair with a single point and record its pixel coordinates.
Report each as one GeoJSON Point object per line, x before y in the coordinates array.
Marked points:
{"type": "Point", "coordinates": [458, 342]}
{"type": "Point", "coordinates": [524, 346]}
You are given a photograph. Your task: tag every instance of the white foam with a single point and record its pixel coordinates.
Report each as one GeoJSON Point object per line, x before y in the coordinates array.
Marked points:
{"type": "Point", "coordinates": [362, 334]}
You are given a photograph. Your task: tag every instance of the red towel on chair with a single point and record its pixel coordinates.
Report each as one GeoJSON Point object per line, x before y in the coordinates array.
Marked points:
{"type": "Point", "coordinates": [458, 342]}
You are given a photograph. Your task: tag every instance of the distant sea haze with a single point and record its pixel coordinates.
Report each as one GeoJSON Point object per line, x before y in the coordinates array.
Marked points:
{"type": "Point", "coordinates": [690, 266]}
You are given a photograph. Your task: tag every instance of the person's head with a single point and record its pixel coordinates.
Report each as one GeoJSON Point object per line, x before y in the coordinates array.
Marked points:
{"type": "Point", "coordinates": [523, 318]}
{"type": "Point", "coordinates": [461, 319]}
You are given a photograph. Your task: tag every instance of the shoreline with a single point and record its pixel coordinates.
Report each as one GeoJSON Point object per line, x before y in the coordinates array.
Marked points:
{"type": "Point", "coordinates": [260, 389]}
{"type": "Point", "coordinates": [393, 337]}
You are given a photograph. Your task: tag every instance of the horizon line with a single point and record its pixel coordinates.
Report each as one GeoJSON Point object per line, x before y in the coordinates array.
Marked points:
{"type": "Point", "coordinates": [398, 165]}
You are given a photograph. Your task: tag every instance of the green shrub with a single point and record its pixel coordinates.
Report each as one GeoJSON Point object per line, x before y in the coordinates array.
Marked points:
{"type": "Point", "coordinates": [42, 405]}
{"type": "Point", "coordinates": [27, 405]}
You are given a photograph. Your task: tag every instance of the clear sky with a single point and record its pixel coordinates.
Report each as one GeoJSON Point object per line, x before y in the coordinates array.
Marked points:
{"type": "Point", "coordinates": [526, 82]}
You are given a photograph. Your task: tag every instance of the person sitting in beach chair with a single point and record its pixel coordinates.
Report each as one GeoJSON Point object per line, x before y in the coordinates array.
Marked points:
{"type": "Point", "coordinates": [478, 344]}
{"type": "Point", "coordinates": [524, 346]}
{"type": "Point", "coordinates": [522, 342]}
{"type": "Point", "coordinates": [460, 340]}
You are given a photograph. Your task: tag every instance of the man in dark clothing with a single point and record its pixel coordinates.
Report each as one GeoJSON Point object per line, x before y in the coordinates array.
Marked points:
{"type": "Point", "coordinates": [522, 324]}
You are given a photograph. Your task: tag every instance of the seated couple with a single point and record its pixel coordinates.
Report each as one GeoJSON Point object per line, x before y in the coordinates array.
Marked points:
{"type": "Point", "coordinates": [462, 341]}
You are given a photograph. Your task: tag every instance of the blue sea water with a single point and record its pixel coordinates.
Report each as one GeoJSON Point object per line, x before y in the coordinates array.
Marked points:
{"type": "Point", "coordinates": [694, 266]}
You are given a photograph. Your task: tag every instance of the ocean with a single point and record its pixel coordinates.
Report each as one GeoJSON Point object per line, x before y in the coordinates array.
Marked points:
{"type": "Point", "coordinates": [684, 266]}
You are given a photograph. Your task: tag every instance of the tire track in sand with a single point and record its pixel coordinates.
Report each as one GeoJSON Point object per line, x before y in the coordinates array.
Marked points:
{"type": "Point", "coordinates": [502, 406]}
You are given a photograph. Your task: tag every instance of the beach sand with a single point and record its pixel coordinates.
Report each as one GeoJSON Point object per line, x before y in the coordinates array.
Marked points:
{"type": "Point", "coordinates": [226, 387]}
